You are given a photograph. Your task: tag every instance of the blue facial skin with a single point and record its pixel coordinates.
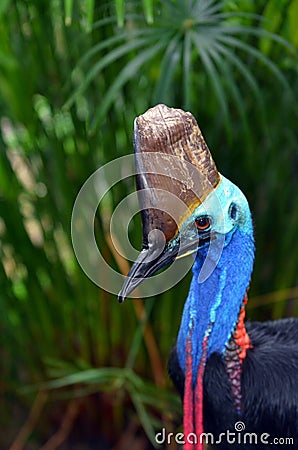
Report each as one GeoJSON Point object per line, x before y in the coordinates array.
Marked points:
{"type": "Point", "coordinates": [214, 300]}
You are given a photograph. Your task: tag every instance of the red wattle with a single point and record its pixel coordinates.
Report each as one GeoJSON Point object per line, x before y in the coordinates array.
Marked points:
{"type": "Point", "coordinates": [193, 400]}
{"type": "Point", "coordinates": [198, 398]}
{"type": "Point", "coordinates": [188, 400]}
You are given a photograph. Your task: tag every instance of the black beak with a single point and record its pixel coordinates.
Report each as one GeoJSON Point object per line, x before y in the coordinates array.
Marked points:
{"type": "Point", "coordinates": [149, 261]}
{"type": "Point", "coordinates": [157, 256]}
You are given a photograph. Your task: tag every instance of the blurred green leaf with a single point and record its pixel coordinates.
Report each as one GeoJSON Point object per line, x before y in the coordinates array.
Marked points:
{"type": "Point", "coordinates": [120, 12]}
{"type": "Point", "coordinates": [71, 84]}
{"type": "Point", "coordinates": [68, 4]}
{"type": "Point", "coordinates": [148, 10]}
{"type": "Point", "coordinates": [292, 11]}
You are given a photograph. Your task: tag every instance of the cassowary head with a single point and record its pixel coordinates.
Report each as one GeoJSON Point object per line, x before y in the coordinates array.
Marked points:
{"type": "Point", "coordinates": [177, 177]}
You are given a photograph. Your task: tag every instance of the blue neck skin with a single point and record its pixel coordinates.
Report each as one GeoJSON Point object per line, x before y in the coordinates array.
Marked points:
{"type": "Point", "coordinates": [213, 306]}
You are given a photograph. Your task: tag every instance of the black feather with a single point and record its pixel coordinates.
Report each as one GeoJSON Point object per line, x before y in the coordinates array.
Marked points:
{"type": "Point", "coordinates": [269, 384]}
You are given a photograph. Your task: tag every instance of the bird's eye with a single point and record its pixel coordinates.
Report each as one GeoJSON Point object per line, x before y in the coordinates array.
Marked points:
{"type": "Point", "coordinates": [233, 211]}
{"type": "Point", "coordinates": [203, 223]}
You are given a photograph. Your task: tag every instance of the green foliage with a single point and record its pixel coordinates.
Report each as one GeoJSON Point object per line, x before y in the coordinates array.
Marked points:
{"type": "Point", "coordinates": [73, 76]}
{"type": "Point", "coordinates": [186, 36]}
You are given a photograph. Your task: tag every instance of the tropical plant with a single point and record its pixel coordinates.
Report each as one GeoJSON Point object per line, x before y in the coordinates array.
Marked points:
{"type": "Point", "coordinates": [73, 77]}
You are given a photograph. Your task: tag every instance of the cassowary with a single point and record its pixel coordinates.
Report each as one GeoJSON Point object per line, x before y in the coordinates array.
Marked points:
{"type": "Point", "coordinates": [238, 380]}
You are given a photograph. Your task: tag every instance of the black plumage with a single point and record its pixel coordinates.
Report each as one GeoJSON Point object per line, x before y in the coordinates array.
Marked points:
{"type": "Point", "coordinates": [269, 383]}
